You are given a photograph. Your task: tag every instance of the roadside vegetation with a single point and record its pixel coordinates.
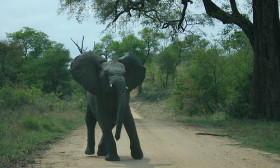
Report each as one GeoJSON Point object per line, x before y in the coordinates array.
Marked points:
{"type": "Point", "coordinates": [207, 84]}
{"type": "Point", "coordinates": [258, 134]}
{"type": "Point", "coordinates": [39, 102]}
{"type": "Point", "coordinates": [262, 135]}
{"type": "Point", "coordinates": [189, 78]}
{"type": "Point", "coordinates": [196, 75]}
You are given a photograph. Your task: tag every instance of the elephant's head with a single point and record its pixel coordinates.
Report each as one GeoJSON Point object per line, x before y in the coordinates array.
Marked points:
{"type": "Point", "coordinates": [98, 77]}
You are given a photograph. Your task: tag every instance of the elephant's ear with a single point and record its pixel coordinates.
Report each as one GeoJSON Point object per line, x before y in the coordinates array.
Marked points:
{"type": "Point", "coordinates": [135, 71]}
{"type": "Point", "coordinates": [85, 70]}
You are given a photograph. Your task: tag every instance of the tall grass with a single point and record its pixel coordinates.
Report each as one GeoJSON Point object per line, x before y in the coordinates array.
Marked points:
{"type": "Point", "coordinates": [31, 120]}
{"type": "Point", "coordinates": [262, 135]}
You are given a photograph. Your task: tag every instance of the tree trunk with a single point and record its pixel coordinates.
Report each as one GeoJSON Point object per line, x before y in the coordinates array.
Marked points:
{"type": "Point", "coordinates": [266, 75]}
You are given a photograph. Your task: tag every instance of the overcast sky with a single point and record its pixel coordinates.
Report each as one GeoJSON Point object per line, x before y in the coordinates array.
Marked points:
{"type": "Point", "coordinates": [42, 15]}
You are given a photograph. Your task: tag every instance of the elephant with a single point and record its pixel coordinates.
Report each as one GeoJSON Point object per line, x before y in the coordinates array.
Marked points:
{"type": "Point", "coordinates": [108, 86]}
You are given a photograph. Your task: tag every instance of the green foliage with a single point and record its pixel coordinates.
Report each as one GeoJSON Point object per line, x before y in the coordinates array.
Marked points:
{"type": "Point", "coordinates": [30, 120]}
{"type": "Point", "coordinates": [34, 42]}
{"type": "Point", "coordinates": [251, 133]}
{"type": "Point", "coordinates": [151, 40]}
{"type": "Point", "coordinates": [13, 98]}
{"type": "Point", "coordinates": [43, 64]}
{"type": "Point", "coordinates": [205, 78]}
{"type": "Point", "coordinates": [186, 98]}
{"type": "Point", "coordinates": [10, 58]}
{"type": "Point", "coordinates": [105, 47]}
{"type": "Point", "coordinates": [216, 80]}
{"type": "Point", "coordinates": [79, 96]}
{"type": "Point", "coordinates": [239, 73]}
{"type": "Point", "coordinates": [168, 59]}
{"type": "Point", "coordinates": [199, 89]}
{"type": "Point", "coordinates": [160, 14]}
{"type": "Point", "coordinates": [115, 49]}
{"type": "Point", "coordinates": [131, 43]}
{"type": "Point", "coordinates": [54, 70]}
{"type": "Point", "coordinates": [31, 123]}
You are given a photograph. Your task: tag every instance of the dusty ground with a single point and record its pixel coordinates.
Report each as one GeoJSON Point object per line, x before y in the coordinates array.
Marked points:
{"type": "Point", "coordinates": [165, 144]}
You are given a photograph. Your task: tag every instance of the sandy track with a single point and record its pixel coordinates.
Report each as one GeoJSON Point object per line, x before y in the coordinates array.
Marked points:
{"type": "Point", "coordinates": [165, 144]}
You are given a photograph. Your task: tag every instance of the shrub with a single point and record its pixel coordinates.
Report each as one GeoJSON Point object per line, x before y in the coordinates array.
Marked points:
{"type": "Point", "coordinates": [185, 98]}
{"type": "Point", "coordinates": [43, 119]}
{"type": "Point", "coordinates": [31, 123]}
{"type": "Point", "coordinates": [12, 98]}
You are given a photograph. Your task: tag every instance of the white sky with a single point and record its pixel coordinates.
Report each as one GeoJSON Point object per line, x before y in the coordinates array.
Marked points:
{"type": "Point", "coordinates": [41, 15]}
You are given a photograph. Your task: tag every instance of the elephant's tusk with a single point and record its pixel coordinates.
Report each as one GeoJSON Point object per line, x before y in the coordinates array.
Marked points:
{"type": "Point", "coordinates": [111, 85]}
{"type": "Point", "coordinates": [127, 88]}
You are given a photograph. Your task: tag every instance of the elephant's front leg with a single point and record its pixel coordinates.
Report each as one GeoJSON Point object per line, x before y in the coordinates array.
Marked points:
{"type": "Point", "coordinates": [110, 144]}
{"type": "Point", "coordinates": [136, 151]}
{"type": "Point", "coordinates": [90, 122]}
{"type": "Point", "coordinates": [101, 147]}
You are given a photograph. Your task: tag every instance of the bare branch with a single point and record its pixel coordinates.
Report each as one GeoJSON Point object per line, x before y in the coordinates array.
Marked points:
{"type": "Point", "coordinates": [83, 43]}
{"type": "Point", "coordinates": [234, 7]}
{"type": "Point", "coordinates": [81, 49]}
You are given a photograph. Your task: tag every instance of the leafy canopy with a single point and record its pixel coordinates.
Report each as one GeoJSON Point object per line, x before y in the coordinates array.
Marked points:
{"type": "Point", "coordinates": [163, 14]}
{"type": "Point", "coordinates": [34, 42]}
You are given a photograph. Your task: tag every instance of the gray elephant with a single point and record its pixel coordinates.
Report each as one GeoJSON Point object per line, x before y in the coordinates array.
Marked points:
{"type": "Point", "coordinates": [108, 86]}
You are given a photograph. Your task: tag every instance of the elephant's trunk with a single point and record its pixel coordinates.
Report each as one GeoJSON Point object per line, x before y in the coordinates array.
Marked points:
{"type": "Point", "coordinates": [121, 91]}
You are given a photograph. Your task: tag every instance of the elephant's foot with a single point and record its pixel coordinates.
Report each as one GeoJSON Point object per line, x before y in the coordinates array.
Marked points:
{"type": "Point", "coordinates": [136, 153]}
{"type": "Point", "coordinates": [111, 157]}
{"type": "Point", "coordinates": [101, 152]}
{"type": "Point", "coordinates": [89, 150]}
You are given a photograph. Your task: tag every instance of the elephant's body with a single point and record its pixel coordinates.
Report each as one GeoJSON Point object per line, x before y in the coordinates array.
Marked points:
{"type": "Point", "coordinates": [108, 86]}
{"type": "Point", "coordinates": [111, 106]}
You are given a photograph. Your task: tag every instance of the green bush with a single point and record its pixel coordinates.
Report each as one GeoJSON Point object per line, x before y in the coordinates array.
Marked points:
{"type": "Point", "coordinates": [28, 126]}
{"type": "Point", "coordinates": [31, 123]}
{"type": "Point", "coordinates": [12, 98]}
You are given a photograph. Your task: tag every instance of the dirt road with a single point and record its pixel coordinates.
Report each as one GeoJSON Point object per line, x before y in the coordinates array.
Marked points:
{"type": "Point", "coordinates": [165, 144]}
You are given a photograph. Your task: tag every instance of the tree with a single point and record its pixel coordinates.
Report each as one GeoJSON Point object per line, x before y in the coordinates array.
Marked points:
{"type": "Point", "coordinates": [34, 42]}
{"type": "Point", "coordinates": [207, 72]}
{"type": "Point", "coordinates": [50, 71]}
{"type": "Point", "coordinates": [104, 48]}
{"type": "Point", "coordinates": [151, 43]}
{"type": "Point", "coordinates": [10, 55]}
{"type": "Point", "coordinates": [44, 63]}
{"type": "Point", "coordinates": [262, 32]}
{"type": "Point", "coordinates": [238, 74]}
{"type": "Point", "coordinates": [168, 60]}
{"type": "Point", "coordinates": [264, 37]}
{"type": "Point", "coordinates": [131, 43]}
{"type": "Point", "coordinates": [199, 88]}
{"type": "Point", "coordinates": [55, 74]}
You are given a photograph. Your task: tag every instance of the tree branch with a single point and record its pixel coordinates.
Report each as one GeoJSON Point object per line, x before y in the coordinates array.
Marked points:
{"type": "Point", "coordinates": [81, 49]}
{"type": "Point", "coordinates": [235, 18]}
{"type": "Point", "coordinates": [130, 6]}
{"type": "Point", "coordinates": [83, 43]}
{"type": "Point", "coordinates": [234, 7]}
{"type": "Point", "coordinates": [180, 24]}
